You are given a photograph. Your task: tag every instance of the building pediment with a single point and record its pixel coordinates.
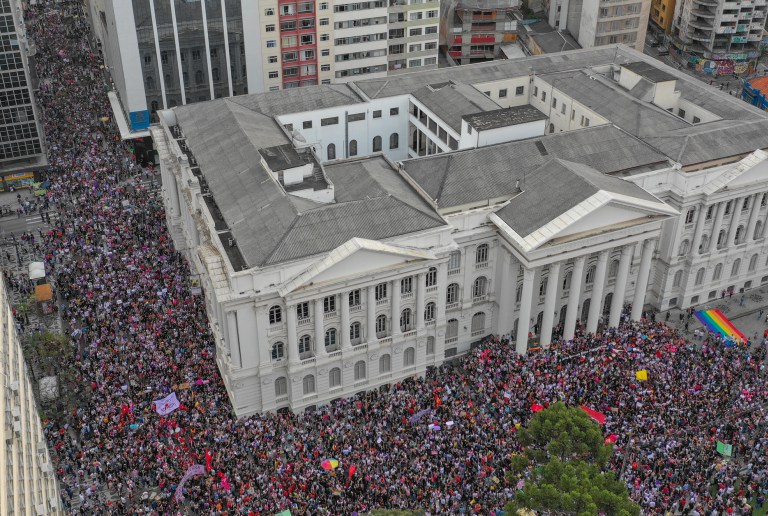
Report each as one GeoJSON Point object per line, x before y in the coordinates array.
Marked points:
{"type": "Point", "coordinates": [751, 169]}
{"type": "Point", "coordinates": [602, 212]}
{"type": "Point", "coordinates": [356, 257]}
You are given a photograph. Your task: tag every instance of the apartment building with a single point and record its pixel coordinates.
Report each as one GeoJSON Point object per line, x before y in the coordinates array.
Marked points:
{"type": "Point", "coordinates": [602, 22]}
{"type": "Point", "coordinates": [27, 481]}
{"type": "Point", "coordinates": [189, 51]}
{"type": "Point", "coordinates": [720, 30]}
{"type": "Point", "coordinates": [350, 236]}
{"type": "Point", "coordinates": [477, 30]}
{"type": "Point", "coordinates": [21, 143]}
{"type": "Point", "coordinates": [662, 14]}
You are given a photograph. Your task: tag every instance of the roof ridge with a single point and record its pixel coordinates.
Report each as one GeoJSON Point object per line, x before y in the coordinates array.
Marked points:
{"type": "Point", "coordinates": [267, 258]}
{"type": "Point", "coordinates": [439, 192]}
{"type": "Point", "coordinates": [413, 208]}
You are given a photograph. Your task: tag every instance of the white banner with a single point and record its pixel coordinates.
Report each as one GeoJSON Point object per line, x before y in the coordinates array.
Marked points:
{"type": "Point", "coordinates": [167, 405]}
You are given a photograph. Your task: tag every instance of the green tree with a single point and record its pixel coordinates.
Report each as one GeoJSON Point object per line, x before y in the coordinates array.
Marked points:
{"type": "Point", "coordinates": [564, 459]}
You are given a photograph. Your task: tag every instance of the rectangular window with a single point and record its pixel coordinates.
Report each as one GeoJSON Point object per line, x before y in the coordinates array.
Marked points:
{"type": "Point", "coordinates": [164, 57]}
{"type": "Point", "coordinates": [271, 43]}
{"type": "Point", "coordinates": [406, 285]}
{"type": "Point", "coordinates": [554, 102]}
{"type": "Point", "coordinates": [273, 75]}
{"type": "Point", "coordinates": [586, 122]}
{"type": "Point", "coordinates": [377, 113]}
{"type": "Point", "coordinates": [520, 90]}
{"type": "Point", "coordinates": [573, 114]}
{"type": "Point", "coordinates": [323, 6]}
{"type": "Point", "coordinates": [269, 11]}
{"type": "Point", "coordinates": [329, 121]}
{"type": "Point", "coordinates": [325, 52]}
{"type": "Point", "coordinates": [325, 68]}
{"type": "Point", "coordinates": [354, 298]}
{"type": "Point", "coordinates": [329, 304]}
{"type": "Point", "coordinates": [681, 113]}
{"type": "Point", "coordinates": [503, 93]}
{"type": "Point", "coordinates": [307, 124]}
{"type": "Point", "coordinates": [307, 39]}
{"type": "Point", "coordinates": [562, 109]}
{"type": "Point", "coordinates": [325, 37]}
{"type": "Point", "coordinates": [543, 96]}
{"type": "Point", "coordinates": [429, 61]}
{"type": "Point", "coordinates": [196, 55]}
{"type": "Point", "coordinates": [381, 291]}
{"type": "Point", "coordinates": [270, 28]}
{"type": "Point", "coordinates": [291, 72]}
{"type": "Point", "coordinates": [415, 32]}
{"type": "Point", "coordinates": [302, 310]}
{"type": "Point", "coordinates": [272, 59]}
{"type": "Point", "coordinates": [356, 117]}
{"type": "Point", "coordinates": [394, 111]}
{"type": "Point", "coordinates": [289, 41]}
{"type": "Point", "coordinates": [289, 57]}
{"type": "Point", "coordinates": [323, 21]}
{"type": "Point", "coordinates": [431, 30]}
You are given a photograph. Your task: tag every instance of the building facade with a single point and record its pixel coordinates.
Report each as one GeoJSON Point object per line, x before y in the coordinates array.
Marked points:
{"type": "Point", "coordinates": [351, 236]}
{"type": "Point", "coordinates": [477, 30]}
{"type": "Point", "coordinates": [722, 31]}
{"type": "Point", "coordinates": [594, 23]}
{"type": "Point", "coordinates": [191, 51]}
{"type": "Point", "coordinates": [662, 13]}
{"type": "Point", "coordinates": [27, 477]}
{"type": "Point", "coordinates": [21, 143]}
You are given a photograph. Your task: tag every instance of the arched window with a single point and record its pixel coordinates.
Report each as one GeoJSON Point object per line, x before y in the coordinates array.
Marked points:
{"type": "Point", "coordinates": [199, 77]}
{"type": "Point", "coordinates": [704, 243]}
{"type": "Point", "coordinates": [409, 357]}
{"type": "Point", "coordinates": [331, 152]}
{"type": "Point", "coordinates": [305, 346]}
{"type": "Point", "coordinates": [215, 73]}
{"type": "Point", "coordinates": [480, 287]}
{"type": "Point", "coordinates": [454, 261]}
{"type": "Point", "coordinates": [739, 234]}
{"type": "Point", "coordinates": [519, 293]}
{"type": "Point", "coordinates": [721, 239]}
{"type": "Point", "coordinates": [718, 272]}
{"type": "Point", "coordinates": [678, 279]}
{"type": "Point", "coordinates": [275, 314]}
{"type": "Point", "coordinates": [154, 105]}
{"type": "Point", "coordinates": [478, 322]}
{"type": "Point", "coordinates": [736, 267]}
{"type": "Point", "coordinates": [452, 328]}
{"type": "Point", "coordinates": [430, 345]}
{"type": "Point", "coordinates": [330, 338]}
{"type": "Point", "coordinates": [684, 248]}
{"type": "Point", "coordinates": [405, 320]}
{"type": "Point", "coordinates": [481, 253]}
{"type": "Point", "coordinates": [281, 386]}
{"type": "Point", "coordinates": [700, 276]}
{"type": "Point", "coordinates": [551, 128]}
{"type": "Point", "coordinates": [353, 148]}
{"type": "Point", "coordinates": [278, 351]}
{"type": "Point", "coordinates": [394, 141]}
{"type": "Point", "coordinates": [567, 280]}
{"type": "Point", "coordinates": [452, 293]}
{"type": "Point", "coordinates": [385, 364]}
{"type": "Point", "coordinates": [590, 275]}
{"type": "Point", "coordinates": [309, 384]}
{"type": "Point", "coordinates": [613, 270]}
{"type": "Point", "coordinates": [758, 230]}
{"type": "Point", "coordinates": [431, 278]}
{"type": "Point", "coordinates": [429, 312]}
{"type": "Point", "coordinates": [150, 82]}
{"type": "Point", "coordinates": [381, 326]}
{"type": "Point", "coordinates": [334, 377]}
{"type": "Point", "coordinates": [543, 286]}
{"type": "Point", "coordinates": [359, 370]}
{"type": "Point", "coordinates": [377, 144]}
{"type": "Point", "coordinates": [354, 333]}
{"type": "Point", "coordinates": [752, 263]}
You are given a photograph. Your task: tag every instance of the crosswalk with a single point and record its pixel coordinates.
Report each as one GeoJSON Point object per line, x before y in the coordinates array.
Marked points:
{"type": "Point", "coordinates": [37, 218]}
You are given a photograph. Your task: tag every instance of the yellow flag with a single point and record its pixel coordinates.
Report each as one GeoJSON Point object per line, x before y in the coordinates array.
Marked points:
{"type": "Point", "coordinates": [641, 375]}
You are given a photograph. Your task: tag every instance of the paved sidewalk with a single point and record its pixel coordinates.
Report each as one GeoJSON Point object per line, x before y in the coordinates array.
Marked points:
{"type": "Point", "coordinates": [744, 315]}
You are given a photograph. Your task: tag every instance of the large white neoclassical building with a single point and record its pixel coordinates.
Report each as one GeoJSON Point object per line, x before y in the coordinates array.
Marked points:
{"type": "Point", "coordinates": [349, 236]}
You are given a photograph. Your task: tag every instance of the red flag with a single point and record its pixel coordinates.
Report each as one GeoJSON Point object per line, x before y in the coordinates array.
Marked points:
{"type": "Point", "coordinates": [208, 458]}
{"type": "Point", "coordinates": [594, 414]}
{"type": "Point", "coordinates": [611, 439]}
{"type": "Point", "coordinates": [438, 402]}
{"type": "Point", "coordinates": [352, 470]}
{"type": "Point", "coordinates": [536, 407]}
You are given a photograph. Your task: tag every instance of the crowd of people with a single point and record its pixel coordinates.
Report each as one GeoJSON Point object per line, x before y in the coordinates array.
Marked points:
{"type": "Point", "coordinates": [441, 443]}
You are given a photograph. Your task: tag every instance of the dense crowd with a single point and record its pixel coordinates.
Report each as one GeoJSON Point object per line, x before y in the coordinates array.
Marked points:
{"type": "Point", "coordinates": [442, 443]}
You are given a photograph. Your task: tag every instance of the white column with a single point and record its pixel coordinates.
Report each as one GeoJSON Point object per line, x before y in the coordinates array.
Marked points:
{"type": "Point", "coordinates": [506, 295]}
{"type": "Point", "coordinates": [735, 216]}
{"type": "Point", "coordinates": [395, 301]}
{"type": "Point", "coordinates": [596, 302]}
{"type": "Point", "coordinates": [641, 285]}
{"type": "Point", "coordinates": [442, 285]}
{"type": "Point", "coordinates": [233, 339]}
{"type": "Point", "coordinates": [319, 328]}
{"type": "Point", "coordinates": [524, 322]}
{"type": "Point", "coordinates": [754, 206]}
{"type": "Point", "coordinates": [178, 52]}
{"type": "Point", "coordinates": [207, 49]}
{"type": "Point", "coordinates": [574, 296]}
{"type": "Point", "coordinates": [764, 232]}
{"type": "Point", "coordinates": [370, 307]}
{"type": "Point", "coordinates": [345, 341]}
{"type": "Point", "coordinates": [421, 292]}
{"type": "Point", "coordinates": [549, 305]}
{"type": "Point", "coordinates": [716, 226]}
{"type": "Point", "coordinates": [700, 221]}
{"type": "Point", "coordinates": [293, 340]}
{"type": "Point", "coordinates": [158, 56]}
{"type": "Point", "coordinates": [226, 44]}
{"type": "Point", "coordinates": [620, 289]}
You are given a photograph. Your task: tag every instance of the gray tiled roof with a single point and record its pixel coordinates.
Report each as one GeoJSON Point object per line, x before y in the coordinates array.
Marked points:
{"type": "Point", "coordinates": [453, 101]}
{"type": "Point", "coordinates": [297, 100]}
{"type": "Point", "coordinates": [323, 229]}
{"type": "Point", "coordinates": [504, 117]}
{"type": "Point", "coordinates": [557, 186]}
{"type": "Point", "coordinates": [476, 175]}
{"type": "Point", "coordinates": [649, 71]}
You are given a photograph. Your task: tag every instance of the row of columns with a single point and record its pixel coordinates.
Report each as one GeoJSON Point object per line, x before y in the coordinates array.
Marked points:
{"type": "Point", "coordinates": [574, 297]}
{"type": "Point", "coordinates": [318, 316]}
{"type": "Point", "coordinates": [701, 220]}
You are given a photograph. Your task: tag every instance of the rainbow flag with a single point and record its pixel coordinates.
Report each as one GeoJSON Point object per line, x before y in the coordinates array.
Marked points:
{"type": "Point", "coordinates": [716, 322]}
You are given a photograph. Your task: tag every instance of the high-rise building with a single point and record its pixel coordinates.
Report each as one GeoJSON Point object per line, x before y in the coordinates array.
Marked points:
{"type": "Point", "coordinates": [662, 13]}
{"type": "Point", "coordinates": [594, 22]}
{"type": "Point", "coordinates": [21, 143]}
{"type": "Point", "coordinates": [27, 481]}
{"type": "Point", "coordinates": [188, 51]}
{"type": "Point", "coordinates": [476, 30]}
{"type": "Point", "coordinates": [727, 32]}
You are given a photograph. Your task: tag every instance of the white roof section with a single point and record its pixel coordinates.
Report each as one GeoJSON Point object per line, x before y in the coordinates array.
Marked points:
{"type": "Point", "coordinates": [738, 171]}
{"type": "Point", "coordinates": [122, 123]}
{"type": "Point", "coordinates": [36, 270]}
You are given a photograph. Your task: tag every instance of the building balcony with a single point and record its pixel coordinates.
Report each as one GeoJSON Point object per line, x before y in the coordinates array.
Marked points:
{"type": "Point", "coordinates": [701, 36]}
{"type": "Point", "coordinates": [330, 315]}
{"type": "Point", "coordinates": [454, 272]}
{"type": "Point", "coordinates": [355, 308]}
{"type": "Point", "coordinates": [707, 3]}
{"type": "Point", "coordinates": [381, 302]}
{"type": "Point", "coordinates": [304, 321]}
{"type": "Point", "coordinates": [452, 306]}
{"type": "Point", "coordinates": [704, 13]}
{"type": "Point", "coordinates": [700, 24]}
